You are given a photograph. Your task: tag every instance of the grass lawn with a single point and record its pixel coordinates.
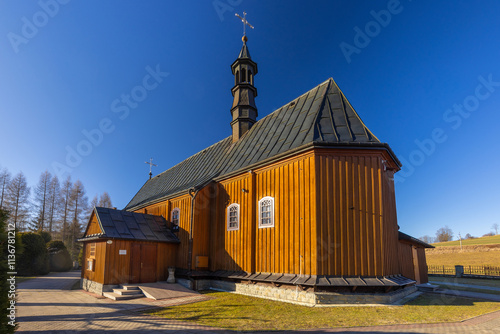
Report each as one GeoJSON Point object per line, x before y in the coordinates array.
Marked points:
{"type": "Point", "coordinates": [477, 241]}
{"type": "Point", "coordinates": [244, 313]}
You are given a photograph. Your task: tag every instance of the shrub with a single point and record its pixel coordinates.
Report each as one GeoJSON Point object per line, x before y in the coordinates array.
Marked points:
{"type": "Point", "coordinates": [60, 260]}
{"type": "Point", "coordinates": [35, 258]}
{"type": "Point", "coordinates": [46, 236]}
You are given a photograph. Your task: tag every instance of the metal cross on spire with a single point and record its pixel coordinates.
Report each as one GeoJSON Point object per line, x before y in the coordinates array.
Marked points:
{"type": "Point", "coordinates": [245, 22]}
{"type": "Point", "coordinates": [151, 164]}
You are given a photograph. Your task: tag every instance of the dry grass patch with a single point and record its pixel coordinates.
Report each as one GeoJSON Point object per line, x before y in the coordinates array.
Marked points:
{"type": "Point", "coordinates": [244, 313]}
{"type": "Point", "coordinates": [474, 255]}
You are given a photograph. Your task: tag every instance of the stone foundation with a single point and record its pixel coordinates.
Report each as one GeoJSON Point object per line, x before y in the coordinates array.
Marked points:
{"type": "Point", "coordinates": [95, 287]}
{"type": "Point", "coordinates": [295, 295]}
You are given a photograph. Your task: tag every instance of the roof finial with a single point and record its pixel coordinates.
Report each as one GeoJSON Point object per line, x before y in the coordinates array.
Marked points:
{"type": "Point", "coordinates": [151, 164]}
{"type": "Point", "coordinates": [245, 24]}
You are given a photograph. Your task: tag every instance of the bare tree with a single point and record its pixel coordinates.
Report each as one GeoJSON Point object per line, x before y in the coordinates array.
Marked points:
{"type": "Point", "coordinates": [495, 227]}
{"type": "Point", "coordinates": [66, 190]}
{"type": "Point", "coordinates": [93, 204]}
{"type": "Point", "coordinates": [79, 209]}
{"type": "Point", "coordinates": [4, 182]}
{"type": "Point", "coordinates": [41, 202]}
{"type": "Point", "coordinates": [427, 239]}
{"type": "Point", "coordinates": [54, 203]}
{"type": "Point", "coordinates": [105, 201]}
{"type": "Point", "coordinates": [444, 234]}
{"type": "Point", "coordinates": [18, 194]}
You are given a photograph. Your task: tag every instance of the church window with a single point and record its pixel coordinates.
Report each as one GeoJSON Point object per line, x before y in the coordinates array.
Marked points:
{"type": "Point", "coordinates": [175, 217]}
{"type": "Point", "coordinates": [233, 217]}
{"type": "Point", "coordinates": [266, 212]}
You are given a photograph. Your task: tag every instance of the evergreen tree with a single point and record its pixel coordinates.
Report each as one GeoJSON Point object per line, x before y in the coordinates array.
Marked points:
{"type": "Point", "coordinates": [18, 194]}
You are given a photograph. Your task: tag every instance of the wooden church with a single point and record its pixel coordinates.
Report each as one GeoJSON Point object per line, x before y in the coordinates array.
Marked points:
{"type": "Point", "coordinates": [297, 206]}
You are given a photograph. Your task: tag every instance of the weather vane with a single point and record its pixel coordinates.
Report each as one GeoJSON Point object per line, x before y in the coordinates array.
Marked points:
{"type": "Point", "coordinates": [245, 23]}
{"type": "Point", "coordinates": [151, 164]}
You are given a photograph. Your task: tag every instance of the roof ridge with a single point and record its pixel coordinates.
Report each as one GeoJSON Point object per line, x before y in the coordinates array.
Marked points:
{"type": "Point", "coordinates": [366, 129]}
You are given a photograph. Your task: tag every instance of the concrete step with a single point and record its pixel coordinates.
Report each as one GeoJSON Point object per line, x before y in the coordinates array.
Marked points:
{"type": "Point", "coordinates": [123, 292]}
{"type": "Point", "coordinates": [427, 287]}
{"type": "Point", "coordinates": [130, 287]}
{"type": "Point", "coordinates": [115, 296]}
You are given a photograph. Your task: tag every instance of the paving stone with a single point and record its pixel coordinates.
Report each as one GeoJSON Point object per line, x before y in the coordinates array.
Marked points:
{"type": "Point", "coordinates": [44, 308]}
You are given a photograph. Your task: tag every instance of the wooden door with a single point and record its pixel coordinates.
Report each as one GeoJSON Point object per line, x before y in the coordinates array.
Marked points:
{"type": "Point", "coordinates": [148, 263]}
{"type": "Point", "coordinates": [135, 263]}
{"type": "Point", "coordinates": [143, 263]}
{"type": "Point", "coordinates": [416, 265]}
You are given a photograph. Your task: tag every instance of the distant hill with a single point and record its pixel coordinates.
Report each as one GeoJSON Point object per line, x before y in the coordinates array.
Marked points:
{"type": "Point", "coordinates": [468, 242]}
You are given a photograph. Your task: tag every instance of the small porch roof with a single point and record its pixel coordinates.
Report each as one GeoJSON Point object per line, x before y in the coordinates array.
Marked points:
{"type": "Point", "coordinates": [120, 224]}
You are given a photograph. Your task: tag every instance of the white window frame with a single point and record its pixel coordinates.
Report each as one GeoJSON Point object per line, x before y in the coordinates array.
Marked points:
{"type": "Point", "coordinates": [178, 216]}
{"type": "Point", "coordinates": [237, 227]}
{"type": "Point", "coordinates": [261, 225]}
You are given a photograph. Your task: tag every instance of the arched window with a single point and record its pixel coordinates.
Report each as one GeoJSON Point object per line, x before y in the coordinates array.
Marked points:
{"type": "Point", "coordinates": [266, 212]}
{"type": "Point", "coordinates": [233, 217]}
{"type": "Point", "coordinates": [175, 217]}
{"type": "Point", "coordinates": [237, 78]}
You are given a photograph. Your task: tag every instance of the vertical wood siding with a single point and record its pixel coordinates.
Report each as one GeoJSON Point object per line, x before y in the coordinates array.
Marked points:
{"type": "Point", "coordinates": [233, 249]}
{"type": "Point", "coordinates": [165, 209]}
{"type": "Point", "coordinates": [96, 275]}
{"type": "Point", "coordinates": [357, 226]}
{"type": "Point", "coordinates": [93, 227]}
{"type": "Point", "coordinates": [405, 260]}
{"type": "Point", "coordinates": [289, 246]}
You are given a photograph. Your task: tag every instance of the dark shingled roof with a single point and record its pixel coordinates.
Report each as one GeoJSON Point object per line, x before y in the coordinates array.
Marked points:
{"type": "Point", "coordinates": [120, 224]}
{"type": "Point", "coordinates": [320, 117]}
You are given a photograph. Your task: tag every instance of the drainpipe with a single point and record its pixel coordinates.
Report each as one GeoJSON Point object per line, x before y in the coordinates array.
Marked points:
{"type": "Point", "coordinates": [192, 192]}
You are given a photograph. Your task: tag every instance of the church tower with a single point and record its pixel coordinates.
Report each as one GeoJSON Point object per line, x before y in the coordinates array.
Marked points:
{"type": "Point", "coordinates": [244, 110]}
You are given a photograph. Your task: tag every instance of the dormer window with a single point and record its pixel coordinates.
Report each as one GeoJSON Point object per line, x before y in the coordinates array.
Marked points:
{"type": "Point", "coordinates": [233, 217]}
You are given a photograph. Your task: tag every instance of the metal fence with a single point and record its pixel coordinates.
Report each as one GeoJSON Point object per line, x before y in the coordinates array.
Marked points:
{"type": "Point", "coordinates": [467, 270]}
{"type": "Point", "coordinates": [482, 270]}
{"type": "Point", "coordinates": [441, 270]}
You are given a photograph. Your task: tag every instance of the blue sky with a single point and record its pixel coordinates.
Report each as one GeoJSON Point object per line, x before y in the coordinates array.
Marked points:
{"type": "Point", "coordinates": [423, 75]}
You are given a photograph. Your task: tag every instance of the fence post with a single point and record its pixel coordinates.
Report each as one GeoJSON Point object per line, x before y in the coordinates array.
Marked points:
{"type": "Point", "coordinates": [459, 271]}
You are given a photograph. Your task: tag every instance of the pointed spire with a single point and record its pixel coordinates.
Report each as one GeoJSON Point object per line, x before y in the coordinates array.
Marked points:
{"type": "Point", "coordinates": [244, 110]}
{"type": "Point", "coordinates": [244, 53]}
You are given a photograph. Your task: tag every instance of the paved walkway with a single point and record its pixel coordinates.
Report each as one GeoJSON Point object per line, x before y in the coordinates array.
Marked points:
{"type": "Point", "coordinates": [46, 305]}
{"type": "Point", "coordinates": [450, 284]}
